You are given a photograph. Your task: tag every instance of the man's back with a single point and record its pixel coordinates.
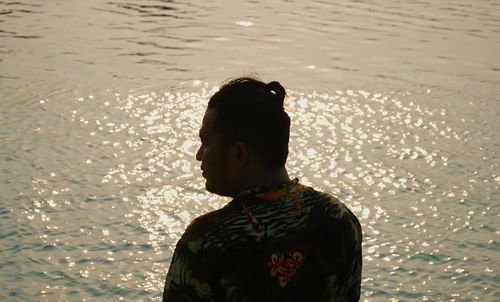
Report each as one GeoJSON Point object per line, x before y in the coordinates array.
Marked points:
{"type": "Point", "coordinates": [282, 243]}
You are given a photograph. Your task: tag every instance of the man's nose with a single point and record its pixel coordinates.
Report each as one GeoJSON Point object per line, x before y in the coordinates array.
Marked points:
{"type": "Point", "coordinates": [199, 154]}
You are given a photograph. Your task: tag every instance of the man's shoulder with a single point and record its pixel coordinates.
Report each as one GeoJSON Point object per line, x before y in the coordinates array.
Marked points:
{"type": "Point", "coordinates": [334, 207]}
{"type": "Point", "coordinates": [205, 222]}
{"type": "Point", "coordinates": [204, 231]}
{"type": "Point", "coordinates": [323, 199]}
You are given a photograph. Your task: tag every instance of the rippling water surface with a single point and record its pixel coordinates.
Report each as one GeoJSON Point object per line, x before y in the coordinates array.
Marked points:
{"type": "Point", "coordinates": [394, 106]}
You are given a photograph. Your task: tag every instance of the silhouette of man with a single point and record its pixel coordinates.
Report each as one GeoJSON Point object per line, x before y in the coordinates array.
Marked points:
{"type": "Point", "coordinates": [276, 240]}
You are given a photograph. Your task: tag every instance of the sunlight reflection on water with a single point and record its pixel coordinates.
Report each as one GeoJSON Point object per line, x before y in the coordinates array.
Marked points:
{"type": "Point", "coordinates": [394, 107]}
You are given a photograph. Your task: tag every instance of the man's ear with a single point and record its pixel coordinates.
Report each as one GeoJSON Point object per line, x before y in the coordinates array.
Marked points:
{"type": "Point", "coordinates": [240, 154]}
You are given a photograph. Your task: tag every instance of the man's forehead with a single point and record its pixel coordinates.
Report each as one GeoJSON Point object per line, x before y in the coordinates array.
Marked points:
{"type": "Point", "coordinates": [209, 117]}
{"type": "Point", "coordinates": [208, 122]}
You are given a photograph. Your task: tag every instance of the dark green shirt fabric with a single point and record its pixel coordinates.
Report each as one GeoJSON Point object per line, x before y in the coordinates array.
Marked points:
{"type": "Point", "coordinates": [282, 243]}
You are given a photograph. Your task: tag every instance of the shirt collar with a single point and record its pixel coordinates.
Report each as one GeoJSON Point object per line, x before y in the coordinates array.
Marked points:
{"type": "Point", "coordinates": [274, 191]}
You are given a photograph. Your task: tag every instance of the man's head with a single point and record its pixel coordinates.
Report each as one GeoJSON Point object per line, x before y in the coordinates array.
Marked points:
{"type": "Point", "coordinates": [245, 129]}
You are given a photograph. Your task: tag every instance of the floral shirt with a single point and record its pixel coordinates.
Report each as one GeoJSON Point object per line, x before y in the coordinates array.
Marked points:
{"type": "Point", "coordinates": [282, 243]}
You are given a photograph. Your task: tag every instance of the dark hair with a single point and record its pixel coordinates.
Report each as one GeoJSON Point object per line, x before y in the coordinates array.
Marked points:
{"type": "Point", "coordinates": [251, 111]}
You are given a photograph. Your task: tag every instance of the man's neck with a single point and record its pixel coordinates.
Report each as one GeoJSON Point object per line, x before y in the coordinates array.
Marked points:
{"type": "Point", "coordinates": [264, 179]}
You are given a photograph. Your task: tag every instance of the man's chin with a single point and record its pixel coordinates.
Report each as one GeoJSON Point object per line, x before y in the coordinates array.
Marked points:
{"type": "Point", "coordinates": [209, 187]}
{"type": "Point", "coordinates": [215, 189]}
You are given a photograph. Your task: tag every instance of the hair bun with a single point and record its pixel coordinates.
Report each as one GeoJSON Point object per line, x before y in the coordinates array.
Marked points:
{"type": "Point", "coordinates": [278, 90]}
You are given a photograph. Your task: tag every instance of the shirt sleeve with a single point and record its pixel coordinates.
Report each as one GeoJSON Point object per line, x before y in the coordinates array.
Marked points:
{"type": "Point", "coordinates": [346, 244]}
{"type": "Point", "coordinates": [187, 278]}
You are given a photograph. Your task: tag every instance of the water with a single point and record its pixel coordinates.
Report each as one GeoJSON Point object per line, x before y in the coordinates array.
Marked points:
{"type": "Point", "coordinates": [394, 108]}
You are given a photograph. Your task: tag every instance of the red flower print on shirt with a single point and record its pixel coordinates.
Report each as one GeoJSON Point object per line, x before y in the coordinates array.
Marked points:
{"type": "Point", "coordinates": [285, 266]}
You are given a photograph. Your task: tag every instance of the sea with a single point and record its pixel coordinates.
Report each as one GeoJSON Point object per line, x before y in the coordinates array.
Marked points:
{"type": "Point", "coordinates": [395, 109]}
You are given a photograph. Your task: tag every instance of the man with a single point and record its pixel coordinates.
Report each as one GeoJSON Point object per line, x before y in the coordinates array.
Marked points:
{"type": "Point", "coordinates": [276, 240]}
